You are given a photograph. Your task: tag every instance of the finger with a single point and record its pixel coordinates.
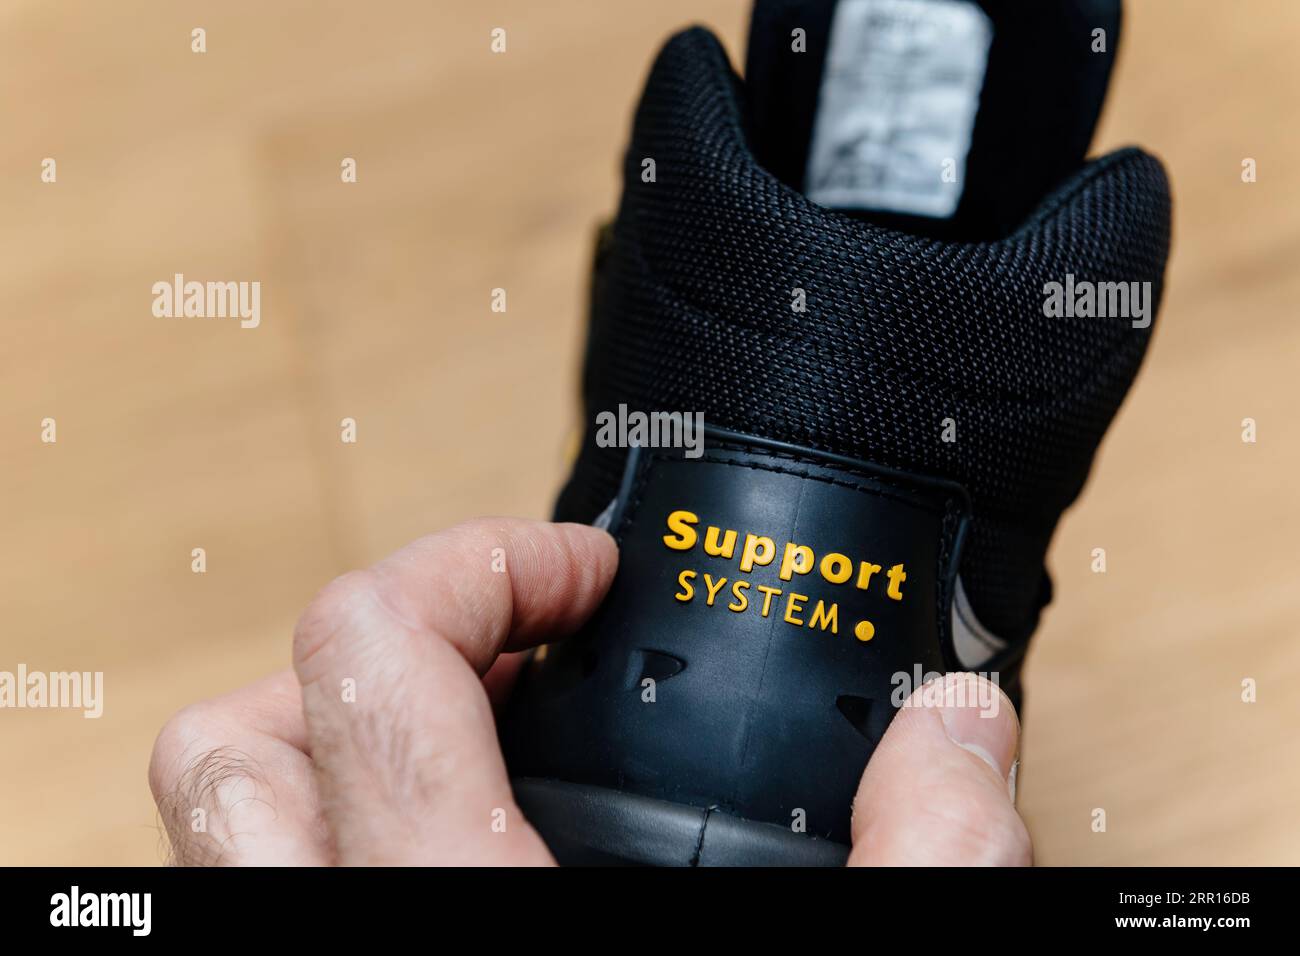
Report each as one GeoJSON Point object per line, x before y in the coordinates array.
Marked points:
{"type": "Point", "coordinates": [500, 678]}
{"type": "Point", "coordinates": [233, 784]}
{"type": "Point", "coordinates": [940, 787]}
{"type": "Point", "coordinates": [408, 761]}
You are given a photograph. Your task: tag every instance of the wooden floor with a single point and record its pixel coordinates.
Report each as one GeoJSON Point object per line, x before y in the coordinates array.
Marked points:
{"type": "Point", "coordinates": [478, 171]}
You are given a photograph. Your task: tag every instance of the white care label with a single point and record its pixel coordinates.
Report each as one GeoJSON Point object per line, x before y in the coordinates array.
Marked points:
{"type": "Point", "coordinates": [899, 94]}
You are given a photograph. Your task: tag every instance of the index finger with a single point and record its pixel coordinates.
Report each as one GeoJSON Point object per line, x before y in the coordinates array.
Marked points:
{"type": "Point", "coordinates": [390, 661]}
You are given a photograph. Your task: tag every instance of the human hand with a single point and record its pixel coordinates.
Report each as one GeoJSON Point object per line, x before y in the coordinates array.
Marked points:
{"type": "Point", "coordinates": [379, 747]}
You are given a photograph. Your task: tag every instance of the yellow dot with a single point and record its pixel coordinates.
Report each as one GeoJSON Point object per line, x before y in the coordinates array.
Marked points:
{"type": "Point", "coordinates": [865, 630]}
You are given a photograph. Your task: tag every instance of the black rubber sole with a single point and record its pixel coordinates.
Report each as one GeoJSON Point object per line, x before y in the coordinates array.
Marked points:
{"type": "Point", "coordinates": [595, 826]}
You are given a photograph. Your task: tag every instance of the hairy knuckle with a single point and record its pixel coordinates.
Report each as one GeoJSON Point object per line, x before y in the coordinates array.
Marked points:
{"type": "Point", "coordinates": [178, 735]}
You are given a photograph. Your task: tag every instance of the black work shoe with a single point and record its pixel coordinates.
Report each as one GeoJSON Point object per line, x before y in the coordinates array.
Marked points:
{"type": "Point", "coordinates": [906, 310]}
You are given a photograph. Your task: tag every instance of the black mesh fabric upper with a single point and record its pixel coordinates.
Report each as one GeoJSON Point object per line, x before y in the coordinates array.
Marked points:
{"type": "Point", "coordinates": [691, 311]}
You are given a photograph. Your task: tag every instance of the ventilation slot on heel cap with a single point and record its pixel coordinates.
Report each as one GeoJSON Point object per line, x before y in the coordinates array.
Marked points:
{"type": "Point", "coordinates": [656, 666]}
{"type": "Point", "coordinates": [857, 711]}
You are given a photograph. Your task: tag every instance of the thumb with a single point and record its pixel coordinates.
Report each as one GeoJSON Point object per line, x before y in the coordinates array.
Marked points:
{"type": "Point", "coordinates": [939, 790]}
